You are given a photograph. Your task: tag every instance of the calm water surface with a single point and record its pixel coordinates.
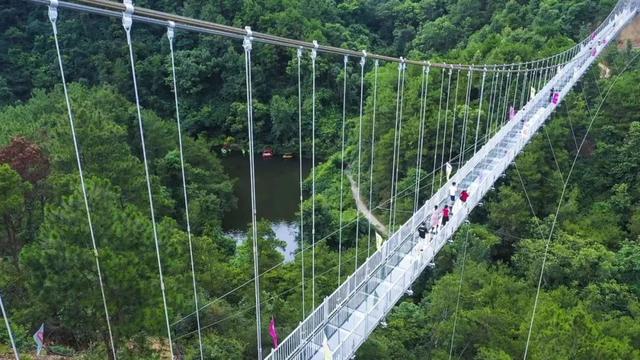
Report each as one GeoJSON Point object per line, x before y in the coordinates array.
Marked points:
{"type": "Point", "coordinates": [277, 197]}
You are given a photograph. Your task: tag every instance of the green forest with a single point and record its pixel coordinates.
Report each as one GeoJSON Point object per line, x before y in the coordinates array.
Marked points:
{"type": "Point", "coordinates": [589, 305]}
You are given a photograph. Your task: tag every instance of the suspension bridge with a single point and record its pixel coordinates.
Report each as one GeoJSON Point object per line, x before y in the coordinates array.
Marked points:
{"type": "Point", "coordinates": [514, 101]}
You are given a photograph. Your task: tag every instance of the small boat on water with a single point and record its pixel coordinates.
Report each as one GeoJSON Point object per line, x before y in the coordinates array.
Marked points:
{"type": "Point", "coordinates": [287, 156]}
{"type": "Point", "coordinates": [267, 153]}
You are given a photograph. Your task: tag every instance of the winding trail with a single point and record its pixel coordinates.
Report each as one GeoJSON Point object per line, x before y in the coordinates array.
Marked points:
{"type": "Point", "coordinates": [362, 208]}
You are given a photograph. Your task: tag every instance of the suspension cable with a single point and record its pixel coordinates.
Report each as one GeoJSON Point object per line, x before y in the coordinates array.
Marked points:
{"type": "Point", "coordinates": [446, 120]}
{"type": "Point", "coordinates": [505, 108]}
{"type": "Point", "coordinates": [246, 44]}
{"type": "Point", "coordinates": [114, 9]}
{"type": "Point", "coordinates": [6, 323]}
{"type": "Point", "coordinates": [435, 149]}
{"type": "Point", "coordinates": [363, 60]}
{"type": "Point", "coordinates": [127, 22]}
{"type": "Point", "coordinates": [344, 118]}
{"type": "Point", "coordinates": [423, 105]}
{"type": "Point", "coordinates": [455, 314]}
{"type": "Point", "coordinates": [302, 245]}
{"type": "Point", "coordinates": [467, 105]}
{"type": "Point", "coordinates": [314, 55]}
{"type": "Point", "coordinates": [492, 97]}
{"type": "Point", "coordinates": [373, 143]}
{"type": "Point", "coordinates": [401, 194]}
{"type": "Point", "coordinates": [475, 143]}
{"type": "Point", "coordinates": [53, 17]}
{"type": "Point", "coordinates": [170, 36]}
{"type": "Point", "coordinates": [564, 188]}
{"type": "Point", "coordinates": [397, 161]}
{"type": "Point", "coordinates": [515, 92]}
{"type": "Point", "coordinates": [455, 110]}
{"type": "Point", "coordinates": [395, 141]}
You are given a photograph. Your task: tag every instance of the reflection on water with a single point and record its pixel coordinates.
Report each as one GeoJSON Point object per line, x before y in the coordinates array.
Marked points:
{"type": "Point", "coordinates": [277, 197]}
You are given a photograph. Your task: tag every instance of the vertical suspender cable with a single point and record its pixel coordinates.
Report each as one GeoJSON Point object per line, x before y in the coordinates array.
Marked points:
{"type": "Point", "coordinates": [515, 91]}
{"type": "Point", "coordinates": [373, 148]}
{"type": "Point", "coordinates": [395, 141]}
{"type": "Point", "coordinates": [170, 36]}
{"type": "Point", "coordinates": [435, 148]}
{"type": "Point", "coordinates": [475, 143]}
{"type": "Point", "coordinates": [491, 105]}
{"type": "Point", "coordinates": [53, 16]}
{"type": "Point", "coordinates": [524, 91]}
{"type": "Point", "coordinates": [314, 55]}
{"type": "Point", "coordinates": [246, 44]}
{"type": "Point", "coordinates": [362, 63]}
{"type": "Point", "coordinates": [505, 108]}
{"type": "Point", "coordinates": [496, 102]}
{"type": "Point", "coordinates": [423, 105]}
{"type": "Point", "coordinates": [463, 141]}
{"type": "Point", "coordinates": [395, 194]}
{"type": "Point", "coordinates": [6, 323]}
{"type": "Point", "coordinates": [446, 119]}
{"type": "Point", "coordinates": [453, 123]}
{"type": "Point", "coordinates": [302, 245]}
{"type": "Point", "coordinates": [126, 22]}
{"type": "Point", "coordinates": [344, 118]}
{"type": "Point", "coordinates": [541, 81]}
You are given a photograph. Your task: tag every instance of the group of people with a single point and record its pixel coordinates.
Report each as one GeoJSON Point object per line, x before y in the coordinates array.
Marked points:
{"type": "Point", "coordinates": [440, 218]}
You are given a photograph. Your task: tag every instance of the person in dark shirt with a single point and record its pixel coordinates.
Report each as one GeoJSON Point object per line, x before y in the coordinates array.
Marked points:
{"type": "Point", "coordinates": [422, 230]}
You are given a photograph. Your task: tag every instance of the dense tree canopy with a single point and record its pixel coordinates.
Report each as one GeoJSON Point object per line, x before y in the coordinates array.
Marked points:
{"type": "Point", "coordinates": [588, 307]}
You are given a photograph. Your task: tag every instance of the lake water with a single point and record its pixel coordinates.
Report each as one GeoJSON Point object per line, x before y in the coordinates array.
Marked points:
{"type": "Point", "coordinates": [277, 197]}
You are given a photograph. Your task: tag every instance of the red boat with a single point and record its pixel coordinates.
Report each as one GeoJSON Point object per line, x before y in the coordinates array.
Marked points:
{"type": "Point", "coordinates": [267, 153]}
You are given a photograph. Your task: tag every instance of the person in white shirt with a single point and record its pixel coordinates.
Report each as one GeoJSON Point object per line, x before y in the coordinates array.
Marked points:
{"type": "Point", "coordinates": [453, 189]}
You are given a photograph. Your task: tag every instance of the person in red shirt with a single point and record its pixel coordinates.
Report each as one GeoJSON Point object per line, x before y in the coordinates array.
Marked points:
{"type": "Point", "coordinates": [464, 195]}
{"type": "Point", "coordinates": [445, 215]}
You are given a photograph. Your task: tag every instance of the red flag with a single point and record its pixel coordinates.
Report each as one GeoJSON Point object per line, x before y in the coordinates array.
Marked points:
{"type": "Point", "coordinates": [273, 332]}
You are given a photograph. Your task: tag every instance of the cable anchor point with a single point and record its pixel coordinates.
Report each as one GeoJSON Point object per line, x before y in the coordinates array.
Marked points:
{"type": "Point", "coordinates": [363, 59]}
{"type": "Point", "coordinates": [53, 11]}
{"type": "Point", "coordinates": [314, 51]}
{"type": "Point", "coordinates": [127, 20]}
{"type": "Point", "coordinates": [246, 43]}
{"type": "Point", "coordinates": [171, 30]}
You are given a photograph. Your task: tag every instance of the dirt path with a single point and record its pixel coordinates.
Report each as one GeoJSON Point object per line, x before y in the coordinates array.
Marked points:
{"type": "Point", "coordinates": [363, 209]}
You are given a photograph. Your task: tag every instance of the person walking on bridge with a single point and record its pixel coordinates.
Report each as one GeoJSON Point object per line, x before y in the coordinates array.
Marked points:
{"type": "Point", "coordinates": [422, 230]}
{"type": "Point", "coordinates": [453, 189]}
{"type": "Point", "coordinates": [445, 215]}
{"type": "Point", "coordinates": [435, 220]}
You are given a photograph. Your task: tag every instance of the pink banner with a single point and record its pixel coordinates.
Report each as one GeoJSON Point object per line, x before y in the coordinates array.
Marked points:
{"type": "Point", "coordinates": [273, 332]}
